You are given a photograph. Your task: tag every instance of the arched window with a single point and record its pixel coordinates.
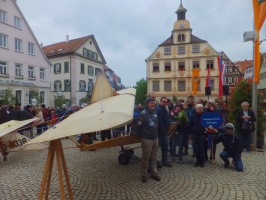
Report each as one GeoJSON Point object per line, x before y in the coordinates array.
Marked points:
{"type": "Point", "coordinates": [90, 86]}
{"type": "Point", "coordinates": [57, 86]}
{"type": "Point", "coordinates": [181, 38]}
{"type": "Point", "coordinates": [82, 85]}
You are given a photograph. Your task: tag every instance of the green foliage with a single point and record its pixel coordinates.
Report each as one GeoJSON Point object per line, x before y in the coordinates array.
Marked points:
{"type": "Point", "coordinates": [141, 93]}
{"type": "Point", "coordinates": [9, 98]}
{"type": "Point", "coordinates": [35, 94]}
{"type": "Point", "coordinates": [59, 100]}
{"type": "Point", "coordinates": [243, 92]}
{"type": "Point", "coordinates": [175, 99]}
{"type": "Point", "coordinates": [86, 99]}
{"type": "Point", "coordinates": [182, 117]}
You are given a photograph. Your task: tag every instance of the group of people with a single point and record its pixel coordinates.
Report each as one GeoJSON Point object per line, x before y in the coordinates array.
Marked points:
{"type": "Point", "coordinates": [152, 125]}
{"type": "Point", "coordinates": [45, 117]}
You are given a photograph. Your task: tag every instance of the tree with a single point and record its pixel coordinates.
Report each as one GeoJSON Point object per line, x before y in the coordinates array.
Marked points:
{"type": "Point", "coordinates": [59, 100]}
{"type": "Point", "coordinates": [35, 94]}
{"type": "Point", "coordinates": [141, 93]}
{"type": "Point", "coordinates": [86, 99]}
{"type": "Point", "coordinates": [175, 99]}
{"type": "Point", "coordinates": [243, 92]}
{"type": "Point", "coordinates": [9, 98]}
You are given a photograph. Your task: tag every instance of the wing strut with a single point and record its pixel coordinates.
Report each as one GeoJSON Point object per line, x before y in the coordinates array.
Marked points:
{"type": "Point", "coordinates": [55, 148]}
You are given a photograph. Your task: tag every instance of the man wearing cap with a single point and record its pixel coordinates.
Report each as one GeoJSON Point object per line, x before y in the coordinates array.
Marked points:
{"type": "Point", "coordinates": [147, 127]}
{"type": "Point", "coordinates": [232, 147]}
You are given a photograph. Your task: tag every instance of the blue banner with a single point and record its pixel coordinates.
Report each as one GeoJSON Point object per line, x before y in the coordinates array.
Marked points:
{"type": "Point", "coordinates": [213, 119]}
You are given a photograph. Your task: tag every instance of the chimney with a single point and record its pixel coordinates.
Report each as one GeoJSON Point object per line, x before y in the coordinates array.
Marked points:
{"type": "Point", "coordinates": [41, 45]}
{"type": "Point", "coordinates": [67, 38]}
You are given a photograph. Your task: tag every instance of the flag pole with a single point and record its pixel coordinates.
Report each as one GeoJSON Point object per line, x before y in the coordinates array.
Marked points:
{"type": "Point", "coordinates": [254, 102]}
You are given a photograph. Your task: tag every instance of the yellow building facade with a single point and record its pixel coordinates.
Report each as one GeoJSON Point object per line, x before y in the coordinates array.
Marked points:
{"type": "Point", "coordinates": [169, 67]}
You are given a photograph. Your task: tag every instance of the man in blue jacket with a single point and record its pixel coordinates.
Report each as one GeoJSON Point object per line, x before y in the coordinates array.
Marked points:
{"type": "Point", "coordinates": [163, 128]}
{"type": "Point", "coordinates": [232, 147]}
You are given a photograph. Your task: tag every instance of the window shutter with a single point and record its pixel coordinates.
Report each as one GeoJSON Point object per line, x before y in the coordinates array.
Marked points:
{"type": "Point", "coordinates": [92, 71]}
{"type": "Point", "coordinates": [55, 86]}
{"type": "Point", "coordinates": [69, 89]}
{"type": "Point", "coordinates": [65, 85]}
{"type": "Point", "coordinates": [66, 67]}
{"type": "Point", "coordinates": [55, 69]}
{"type": "Point", "coordinates": [60, 86]}
{"type": "Point", "coordinates": [60, 68]}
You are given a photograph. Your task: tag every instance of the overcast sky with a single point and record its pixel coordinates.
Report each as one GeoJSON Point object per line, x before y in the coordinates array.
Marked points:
{"type": "Point", "coordinates": [129, 31]}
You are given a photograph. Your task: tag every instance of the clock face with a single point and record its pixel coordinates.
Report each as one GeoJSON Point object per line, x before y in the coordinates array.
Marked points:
{"type": "Point", "coordinates": [181, 25]}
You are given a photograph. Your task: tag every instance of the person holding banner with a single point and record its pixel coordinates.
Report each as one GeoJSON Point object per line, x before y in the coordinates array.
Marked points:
{"type": "Point", "coordinates": [232, 147]}
{"type": "Point", "coordinates": [198, 135]}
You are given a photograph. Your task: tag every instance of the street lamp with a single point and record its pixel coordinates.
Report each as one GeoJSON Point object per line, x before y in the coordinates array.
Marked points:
{"type": "Point", "coordinates": [59, 93]}
{"type": "Point", "coordinates": [34, 102]}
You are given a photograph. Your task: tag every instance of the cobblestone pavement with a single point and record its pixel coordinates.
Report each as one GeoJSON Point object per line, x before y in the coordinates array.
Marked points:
{"type": "Point", "coordinates": [98, 175]}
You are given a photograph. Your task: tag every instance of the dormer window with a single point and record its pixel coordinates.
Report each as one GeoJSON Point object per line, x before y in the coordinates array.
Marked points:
{"type": "Point", "coordinates": [52, 51]}
{"type": "Point", "coordinates": [60, 50]}
{"type": "Point", "coordinates": [181, 38]}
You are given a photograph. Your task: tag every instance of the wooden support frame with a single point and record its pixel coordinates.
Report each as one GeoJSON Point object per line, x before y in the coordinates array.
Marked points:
{"type": "Point", "coordinates": [55, 149]}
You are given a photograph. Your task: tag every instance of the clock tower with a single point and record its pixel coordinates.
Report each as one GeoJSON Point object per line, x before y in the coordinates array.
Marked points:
{"type": "Point", "coordinates": [182, 30]}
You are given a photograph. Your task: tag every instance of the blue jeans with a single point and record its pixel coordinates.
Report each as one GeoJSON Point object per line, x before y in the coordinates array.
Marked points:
{"type": "Point", "coordinates": [199, 142]}
{"type": "Point", "coordinates": [225, 155]}
{"type": "Point", "coordinates": [45, 127]}
{"type": "Point", "coordinates": [177, 140]}
{"type": "Point", "coordinates": [163, 144]}
{"type": "Point", "coordinates": [246, 140]}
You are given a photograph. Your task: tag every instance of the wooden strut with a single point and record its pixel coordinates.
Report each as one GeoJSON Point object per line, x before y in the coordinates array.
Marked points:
{"type": "Point", "coordinates": [55, 149]}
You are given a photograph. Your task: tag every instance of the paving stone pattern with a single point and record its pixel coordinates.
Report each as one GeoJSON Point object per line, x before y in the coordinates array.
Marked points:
{"type": "Point", "coordinates": [98, 175]}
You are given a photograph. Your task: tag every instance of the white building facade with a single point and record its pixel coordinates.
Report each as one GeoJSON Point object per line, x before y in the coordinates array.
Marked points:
{"type": "Point", "coordinates": [23, 64]}
{"type": "Point", "coordinates": [75, 65]}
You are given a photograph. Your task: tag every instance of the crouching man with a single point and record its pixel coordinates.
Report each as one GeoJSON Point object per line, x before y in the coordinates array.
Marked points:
{"type": "Point", "coordinates": [232, 147]}
{"type": "Point", "coordinates": [147, 128]}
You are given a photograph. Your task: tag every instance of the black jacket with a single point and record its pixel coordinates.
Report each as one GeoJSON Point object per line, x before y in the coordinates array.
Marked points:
{"type": "Point", "coordinates": [232, 145]}
{"type": "Point", "coordinates": [197, 128]}
{"type": "Point", "coordinates": [147, 124]}
{"type": "Point", "coordinates": [14, 114]}
{"type": "Point", "coordinates": [240, 120]}
{"type": "Point", "coordinates": [164, 121]}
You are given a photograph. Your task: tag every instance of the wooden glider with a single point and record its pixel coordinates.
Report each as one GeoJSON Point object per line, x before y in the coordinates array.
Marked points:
{"type": "Point", "coordinates": [122, 140]}
{"type": "Point", "coordinates": [11, 141]}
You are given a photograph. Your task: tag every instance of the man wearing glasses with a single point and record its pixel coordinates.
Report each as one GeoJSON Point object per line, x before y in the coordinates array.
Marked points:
{"type": "Point", "coordinates": [232, 147]}
{"type": "Point", "coordinates": [163, 128]}
{"type": "Point", "coordinates": [147, 127]}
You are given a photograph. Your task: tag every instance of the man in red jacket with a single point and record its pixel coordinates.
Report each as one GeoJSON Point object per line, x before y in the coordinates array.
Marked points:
{"type": "Point", "coordinates": [45, 113]}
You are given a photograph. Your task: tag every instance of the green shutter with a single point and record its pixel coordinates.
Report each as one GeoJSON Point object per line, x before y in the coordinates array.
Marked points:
{"type": "Point", "coordinates": [60, 68]}
{"type": "Point", "coordinates": [92, 71]}
{"type": "Point", "coordinates": [54, 69]}
{"type": "Point", "coordinates": [66, 67]}
{"type": "Point", "coordinates": [69, 85]}
{"type": "Point", "coordinates": [55, 86]}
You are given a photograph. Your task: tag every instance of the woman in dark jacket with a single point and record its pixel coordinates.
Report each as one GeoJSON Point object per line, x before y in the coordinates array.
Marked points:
{"type": "Point", "coordinates": [198, 136]}
{"type": "Point", "coordinates": [177, 137]}
{"type": "Point", "coordinates": [246, 117]}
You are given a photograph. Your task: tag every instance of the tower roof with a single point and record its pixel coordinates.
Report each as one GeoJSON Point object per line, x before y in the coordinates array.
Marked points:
{"type": "Point", "coordinates": [181, 8]}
